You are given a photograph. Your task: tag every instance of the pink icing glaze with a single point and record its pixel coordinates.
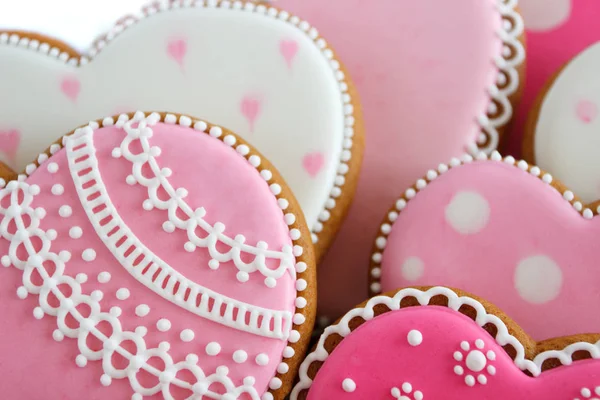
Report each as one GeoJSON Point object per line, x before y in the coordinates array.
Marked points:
{"type": "Point", "coordinates": [232, 192]}
{"type": "Point", "coordinates": [549, 50]}
{"type": "Point", "coordinates": [378, 357]}
{"type": "Point", "coordinates": [422, 77]}
{"type": "Point", "coordinates": [473, 226]}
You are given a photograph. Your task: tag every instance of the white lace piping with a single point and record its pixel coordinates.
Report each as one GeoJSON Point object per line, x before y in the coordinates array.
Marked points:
{"type": "Point", "coordinates": [52, 284]}
{"type": "Point", "coordinates": [151, 270]}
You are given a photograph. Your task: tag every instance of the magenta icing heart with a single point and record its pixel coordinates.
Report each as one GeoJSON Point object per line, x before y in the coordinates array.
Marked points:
{"type": "Point", "coordinates": [436, 352]}
{"type": "Point", "coordinates": [148, 258]}
{"type": "Point", "coordinates": [500, 229]}
{"type": "Point", "coordinates": [436, 78]}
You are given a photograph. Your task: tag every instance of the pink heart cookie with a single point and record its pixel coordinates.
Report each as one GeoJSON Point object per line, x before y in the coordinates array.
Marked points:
{"type": "Point", "coordinates": [435, 79]}
{"type": "Point", "coordinates": [564, 127]}
{"type": "Point", "coordinates": [443, 344]}
{"type": "Point", "coordinates": [501, 229]}
{"type": "Point", "coordinates": [136, 269]}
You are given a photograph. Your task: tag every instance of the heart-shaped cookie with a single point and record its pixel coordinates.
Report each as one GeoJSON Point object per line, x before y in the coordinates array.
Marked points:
{"type": "Point", "coordinates": [255, 69]}
{"type": "Point", "coordinates": [435, 77]}
{"type": "Point", "coordinates": [564, 127]}
{"type": "Point", "coordinates": [438, 343]}
{"type": "Point", "coordinates": [152, 257]}
{"type": "Point", "coordinates": [499, 228]}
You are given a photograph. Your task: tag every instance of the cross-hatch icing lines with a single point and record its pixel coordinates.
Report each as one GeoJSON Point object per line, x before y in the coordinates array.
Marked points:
{"type": "Point", "coordinates": [147, 267]}
{"type": "Point", "coordinates": [20, 231]}
{"type": "Point", "coordinates": [139, 131]}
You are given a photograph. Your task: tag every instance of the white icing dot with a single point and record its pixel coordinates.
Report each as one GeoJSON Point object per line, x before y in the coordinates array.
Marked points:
{"type": "Point", "coordinates": [97, 295]}
{"type": "Point", "coordinates": [137, 396]}
{"type": "Point", "coordinates": [58, 335]}
{"type": "Point", "coordinates": [476, 361]}
{"type": "Point", "coordinates": [104, 277]}
{"type": "Point", "coordinates": [142, 310]}
{"type": "Point", "coordinates": [116, 311]}
{"type": "Point", "coordinates": [240, 356]}
{"type": "Point", "coordinates": [75, 232]}
{"type": "Point", "coordinates": [163, 325]}
{"type": "Point", "coordinates": [187, 335]}
{"type": "Point", "coordinates": [81, 277]}
{"type": "Point", "coordinates": [412, 269]}
{"type": "Point", "coordinates": [123, 294]}
{"type": "Point", "coordinates": [5, 260]}
{"type": "Point", "coordinates": [213, 348]}
{"type": "Point", "coordinates": [22, 292]}
{"type": "Point", "coordinates": [262, 359]}
{"type": "Point", "coordinates": [53, 167]}
{"type": "Point", "coordinates": [65, 211]}
{"type": "Point", "coordinates": [88, 255]}
{"type": "Point", "coordinates": [81, 361]}
{"type": "Point", "coordinates": [348, 385]}
{"type": "Point", "coordinates": [288, 352]}
{"type": "Point", "coordinates": [468, 212]}
{"type": "Point", "coordinates": [538, 279]}
{"type": "Point", "coordinates": [105, 380]}
{"type": "Point", "coordinates": [414, 337]}
{"type": "Point", "coordinates": [38, 313]}
{"type": "Point", "coordinates": [168, 227]}
{"type": "Point", "coordinates": [275, 383]}
{"type": "Point", "coordinates": [57, 189]}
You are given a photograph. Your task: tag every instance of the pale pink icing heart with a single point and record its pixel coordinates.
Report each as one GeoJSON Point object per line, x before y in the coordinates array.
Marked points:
{"type": "Point", "coordinates": [288, 49]}
{"type": "Point", "coordinates": [70, 88]}
{"type": "Point", "coordinates": [497, 231]}
{"type": "Point", "coordinates": [586, 111]}
{"type": "Point", "coordinates": [423, 70]}
{"type": "Point", "coordinates": [433, 352]}
{"type": "Point", "coordinates": [250, 107]}
{"type": "Point", "coordinates": [9, 142]}
{"type": "Point", "coordinates": [177, 50]}
{"type": "Point", "coordinates": [135, 262]}
{"type": "Point", "coordinates": [313, 162]}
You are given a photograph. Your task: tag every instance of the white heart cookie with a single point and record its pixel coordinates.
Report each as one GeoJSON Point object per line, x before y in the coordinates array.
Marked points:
{"type": "Point", "coordinates": [252, 68]}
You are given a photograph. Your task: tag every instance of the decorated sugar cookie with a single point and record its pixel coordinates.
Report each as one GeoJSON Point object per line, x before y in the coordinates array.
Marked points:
{"type": "Point", "coordinates": [563, 129]}
{"type": "Point", "coordinates": [152, 257]}
{"type": "Point", "coordinates": [439, 343]}
{"type": "Point", "coordinates": [436, 79]}
{"type": "Point", "coordinates": [499, 228]}
{"type": "Point", "coordinates": [255, 69]}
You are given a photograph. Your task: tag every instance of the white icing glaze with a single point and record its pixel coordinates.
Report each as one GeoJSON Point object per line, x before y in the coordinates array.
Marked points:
{"type": "Point", "coordinates": [566, 133]}
{"type": "Point", "coordinates": [290, 96]}
{"type": "Point", "coordinates": [413, 267]}
{"type": "Point", "coordinates": [455, 302]}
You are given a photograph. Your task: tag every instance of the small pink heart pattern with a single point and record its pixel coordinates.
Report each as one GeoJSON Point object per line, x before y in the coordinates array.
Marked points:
{"type": "Point", "coordinates": [437, 352]}
{"type": "Point", "coordinates": [565, 130]}
{"type": "Point", "coordinates": [313, 162]}
{"type": "Point", "coordinates": [498, 228]}
{"type": "Point", "coordinates": [177, 49]}
{"type": "Point", "coordinates": [140, 272]}
{"type": "Point", "coordinates": [71, 87]}
{"type": "Point", "coordinates": [9, 145]}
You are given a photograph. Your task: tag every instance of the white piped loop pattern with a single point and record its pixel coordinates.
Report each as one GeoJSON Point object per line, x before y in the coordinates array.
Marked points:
{"type": "Point", "coordinates": [455, 302]}
{"type": "Point", "coordinates": [20, 231]}
{"type": "Point", "coordinates": [508, 77]}
{"type": "Point", "coordinates": [175, 205]}
{"type": "Point", "coordinates": [111, 229]}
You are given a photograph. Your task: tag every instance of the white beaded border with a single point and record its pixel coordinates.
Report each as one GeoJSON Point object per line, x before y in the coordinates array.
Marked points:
{"type": "Point", "coordinates": [507, 80]}
{"type": "Point", "coordinates": [455, 302]}
{"type": "Point", "coordinates": [253, 159]}
{"type": "Point", "coordinates": [387, 225]}
{"type": "Point", "coordinates": [259, 9]}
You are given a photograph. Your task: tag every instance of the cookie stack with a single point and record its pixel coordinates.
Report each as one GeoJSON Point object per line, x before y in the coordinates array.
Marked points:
{"type": "Point", "coordinates": [169, 248]}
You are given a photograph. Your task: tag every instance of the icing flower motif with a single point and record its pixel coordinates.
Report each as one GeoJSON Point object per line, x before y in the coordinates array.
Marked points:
{"type": "Point", "coordinates": [475, 361]}
{"type": "Point", "coordinates": [404, 393]}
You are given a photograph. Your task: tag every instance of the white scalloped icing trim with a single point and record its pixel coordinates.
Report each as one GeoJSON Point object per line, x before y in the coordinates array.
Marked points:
{"type": "Point", "coordinates": [386, 227]}
{"type": "Point", "coordinates": [244, 151]}
{"type": "Point", "coordinates": [455, 302]}
{"type": "Point", "coordinates": [259, 9]}
{"type": "Point", "coordinates": [507, 81]}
